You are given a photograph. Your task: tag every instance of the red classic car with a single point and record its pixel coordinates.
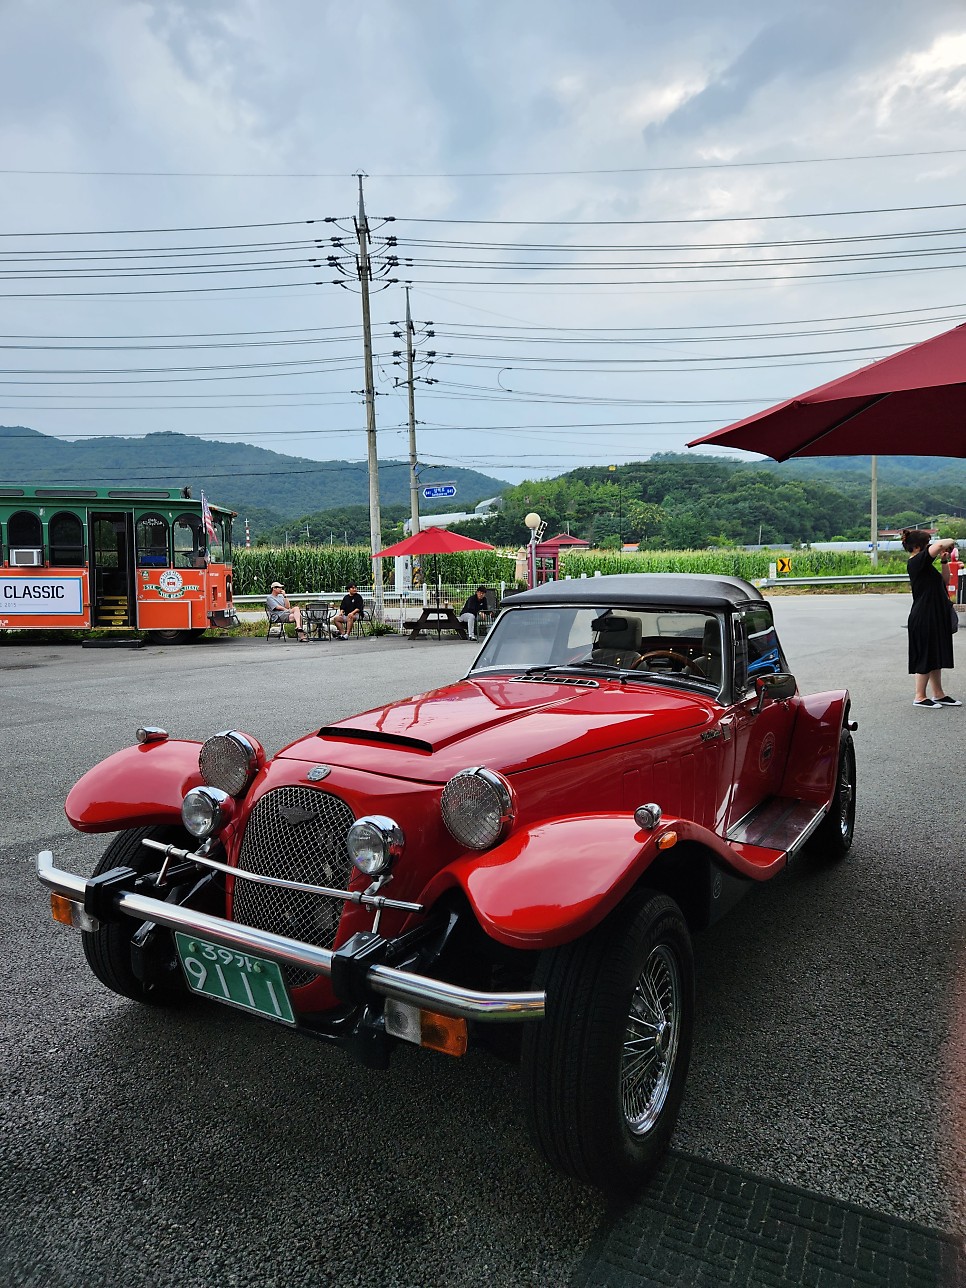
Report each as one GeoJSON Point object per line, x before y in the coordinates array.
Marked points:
{"type": "Point", "coordinates": [519, 858]}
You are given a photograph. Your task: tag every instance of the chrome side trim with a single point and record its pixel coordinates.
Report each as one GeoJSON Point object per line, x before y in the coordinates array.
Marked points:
{"type": "Point", "coordinates": [349, 896]}
{"type": "Point", "coordinates": [387, 981]}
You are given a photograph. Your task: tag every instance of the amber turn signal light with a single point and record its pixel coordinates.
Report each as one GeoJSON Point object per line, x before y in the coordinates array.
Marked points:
{"type": "Point", "coordinates": [667, 840]}
{"type": "Point", "coordinates": [61, 908]}
{"type": "Point", "coordinates": [443, 1033]}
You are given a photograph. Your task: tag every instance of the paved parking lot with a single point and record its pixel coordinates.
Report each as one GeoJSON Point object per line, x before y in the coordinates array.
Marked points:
{"type": "Point", "coordinates": [143, 1147]}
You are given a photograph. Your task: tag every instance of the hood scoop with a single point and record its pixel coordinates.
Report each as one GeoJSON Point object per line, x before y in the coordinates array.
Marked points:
{"type": "Point", "coordinates": [374, 737]}
{"type": "Point", "coordinates": [579, 681]}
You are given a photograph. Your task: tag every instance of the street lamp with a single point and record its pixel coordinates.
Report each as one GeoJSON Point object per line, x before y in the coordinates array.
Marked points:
{"type": "Point", "coordinates": [532, 520]}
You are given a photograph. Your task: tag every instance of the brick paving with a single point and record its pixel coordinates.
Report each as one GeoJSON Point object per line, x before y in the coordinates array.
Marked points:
{"type": "Point", "coordinates": [703, 1225]}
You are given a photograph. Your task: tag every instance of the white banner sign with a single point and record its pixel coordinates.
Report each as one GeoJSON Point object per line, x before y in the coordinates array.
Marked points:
{"type": "Point", "coordinates": [54, 596]}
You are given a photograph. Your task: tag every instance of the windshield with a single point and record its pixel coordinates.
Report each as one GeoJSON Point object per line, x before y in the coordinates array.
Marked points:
{"type": "Point", "coordinates": [683, 644]}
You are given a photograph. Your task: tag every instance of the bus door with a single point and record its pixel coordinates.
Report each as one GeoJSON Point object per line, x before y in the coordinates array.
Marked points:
{"type": "Point", "coordinates": [112, 567]}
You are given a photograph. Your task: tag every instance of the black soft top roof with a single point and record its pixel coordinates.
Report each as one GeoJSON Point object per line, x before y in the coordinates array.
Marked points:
{"type": "Point", "coordinates": [643, 590]}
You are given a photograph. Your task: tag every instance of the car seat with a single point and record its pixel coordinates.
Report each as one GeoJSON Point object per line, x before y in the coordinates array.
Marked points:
{"type": "Point", "coordinates": [618, 640]}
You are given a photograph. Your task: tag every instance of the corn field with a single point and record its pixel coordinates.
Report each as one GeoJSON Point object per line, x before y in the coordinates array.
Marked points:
{"type": "Point", "coordinates": [318, 569]}
{"type": "Point", "coordinates": [729, 563]}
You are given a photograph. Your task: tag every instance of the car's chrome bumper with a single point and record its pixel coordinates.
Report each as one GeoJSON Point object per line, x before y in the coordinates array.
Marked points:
{"type": "Point", "coordinates": [386, 981]}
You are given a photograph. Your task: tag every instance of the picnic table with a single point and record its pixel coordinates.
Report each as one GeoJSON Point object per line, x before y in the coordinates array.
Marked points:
{"type": "Point", "coordinates": [438, 619]}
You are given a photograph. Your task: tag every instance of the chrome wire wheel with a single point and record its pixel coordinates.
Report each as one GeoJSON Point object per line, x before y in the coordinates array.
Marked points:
{"type": "Point", "coordinates": [651, 1040]}
{"type": "Point", "coordinates": [846, 795]}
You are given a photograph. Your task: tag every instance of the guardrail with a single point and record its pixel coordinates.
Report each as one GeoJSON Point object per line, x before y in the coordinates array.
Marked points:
{"type": "Point", "coordinates": [863, 579]}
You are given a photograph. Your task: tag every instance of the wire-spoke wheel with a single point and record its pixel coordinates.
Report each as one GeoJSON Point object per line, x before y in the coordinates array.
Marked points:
{"type": "Point", "coordinates": [651, 1041]}
{"type": "Point", "coordinates": [833, 839]}
{"type": "Point", "coordinates": [604, 1072]}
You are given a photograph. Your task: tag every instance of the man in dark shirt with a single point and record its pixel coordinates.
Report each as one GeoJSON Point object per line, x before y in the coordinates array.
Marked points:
{"type": "Point", "coordinates": [349, 610]}
{"type": "Point", "coordinates": [475, 604]}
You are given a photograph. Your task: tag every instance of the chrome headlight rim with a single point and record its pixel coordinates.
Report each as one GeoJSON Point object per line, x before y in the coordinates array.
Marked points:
{"type": "Point", "coordinates": [205, 811]}
{"type": "Point", "coordinates": [229, 761]}
{"type": "Point", "coordinates": [374, 843]}
{"type": "Point", "coordinates": [504, 807]}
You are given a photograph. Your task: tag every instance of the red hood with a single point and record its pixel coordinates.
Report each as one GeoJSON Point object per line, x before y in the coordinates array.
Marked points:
{"type": "Point", "coordinates": [504, 723]}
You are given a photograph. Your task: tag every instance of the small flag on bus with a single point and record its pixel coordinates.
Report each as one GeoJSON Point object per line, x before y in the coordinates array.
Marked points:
{"type": "Point", "coordinates": [206, 516]}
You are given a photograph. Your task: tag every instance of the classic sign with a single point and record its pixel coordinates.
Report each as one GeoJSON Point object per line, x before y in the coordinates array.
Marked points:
{"type": "Point", "coordinates": [49, 595]}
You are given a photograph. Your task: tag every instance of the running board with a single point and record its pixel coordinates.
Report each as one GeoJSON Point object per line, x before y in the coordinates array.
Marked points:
{"type": "Point", "coordinates": [779, 823]}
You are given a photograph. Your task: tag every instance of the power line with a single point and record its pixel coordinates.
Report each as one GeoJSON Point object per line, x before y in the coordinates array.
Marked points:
{"type": "Point", "coordinates": [486, 174]}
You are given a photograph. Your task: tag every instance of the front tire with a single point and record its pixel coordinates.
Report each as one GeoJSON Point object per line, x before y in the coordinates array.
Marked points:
{"type": "Point", "coordinates": [833, 837]}
{"type": "Point", "coordinates": [108, 949]}
{"type": "Point", "coordinates": [604, 1072]}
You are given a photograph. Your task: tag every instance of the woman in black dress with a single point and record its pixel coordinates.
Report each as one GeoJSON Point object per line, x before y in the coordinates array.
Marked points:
{"type": "Point", "coordinates": [930, 633]}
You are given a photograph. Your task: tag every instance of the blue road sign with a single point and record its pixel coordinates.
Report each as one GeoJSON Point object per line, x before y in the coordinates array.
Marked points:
{"type": "Point", "coordinates": [433, 493]}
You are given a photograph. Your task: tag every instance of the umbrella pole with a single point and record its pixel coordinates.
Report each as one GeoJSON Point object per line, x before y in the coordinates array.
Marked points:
{"type": "Point", "coordinates": [875, 511]}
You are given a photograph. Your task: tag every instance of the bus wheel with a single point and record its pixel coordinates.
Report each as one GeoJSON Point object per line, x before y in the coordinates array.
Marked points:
{"type": "Point", "coordinates": [174, 637]}
{"type": "Point", "coordinates": [109, 949]}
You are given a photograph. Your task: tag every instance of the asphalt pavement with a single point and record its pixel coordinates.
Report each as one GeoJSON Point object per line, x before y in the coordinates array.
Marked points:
{"type": "Point", "coordinates": [198, 1147]}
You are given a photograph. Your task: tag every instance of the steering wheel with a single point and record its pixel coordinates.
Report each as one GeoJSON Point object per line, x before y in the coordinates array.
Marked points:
{"type": "Point", "coordinates": [685, 662]}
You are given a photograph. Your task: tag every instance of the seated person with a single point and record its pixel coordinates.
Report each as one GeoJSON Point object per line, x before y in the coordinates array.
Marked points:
{"type": "Point", "coordinates": [349, 611]}
{"type": "Point", "coordinates": [475, 604]}
{"type": "Point", "coordinates": [617, 640]}
{"type": "Point", "coordinates": [280, 610]}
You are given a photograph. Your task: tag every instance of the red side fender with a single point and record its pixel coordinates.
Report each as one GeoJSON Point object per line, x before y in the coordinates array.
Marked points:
{"type": "Point", "coordinates": [814, 753]}
{"type": "Point", "coordinates": [135, 787]}
{"type": "Point", "coordinates": [553, 882]}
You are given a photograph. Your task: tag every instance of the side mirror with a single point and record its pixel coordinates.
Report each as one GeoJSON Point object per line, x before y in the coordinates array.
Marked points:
{"type": "Point", "coordinates": [777, 687]}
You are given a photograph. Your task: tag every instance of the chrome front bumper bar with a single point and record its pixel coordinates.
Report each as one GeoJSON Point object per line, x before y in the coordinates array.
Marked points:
{"type": "Point", "coordinates": [386, 981]}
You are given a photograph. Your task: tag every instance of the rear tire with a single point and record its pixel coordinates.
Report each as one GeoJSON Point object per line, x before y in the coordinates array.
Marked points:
{"type": "Point", "coordinates": [108, 949]}
{"type": "Point", "coordinates": [832, 839]}
{"type": "Point", "coordinates": [174, 637]}
{"type": "Point", "coordinates": [604, 1072]}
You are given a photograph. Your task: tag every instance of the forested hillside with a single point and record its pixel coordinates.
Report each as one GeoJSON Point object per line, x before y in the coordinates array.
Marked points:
{"type": "Point", "coordinates": [689, 502]}
{"type": "Point", "coordinates": [263, 486]}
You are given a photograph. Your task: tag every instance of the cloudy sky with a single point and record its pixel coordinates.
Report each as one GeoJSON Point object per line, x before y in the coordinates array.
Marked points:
{"type": "Point", "coordinates": [627, 223]}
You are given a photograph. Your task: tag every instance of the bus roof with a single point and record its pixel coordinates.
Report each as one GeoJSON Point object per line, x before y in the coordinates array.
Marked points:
{"type": "Point", "coordinates": [47, 492]}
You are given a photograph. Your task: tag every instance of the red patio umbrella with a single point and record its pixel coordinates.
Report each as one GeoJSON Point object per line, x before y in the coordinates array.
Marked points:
{"type": "Point", "coordinates": [433, 541]}
{"type": "Point", "coordinates": [910, 404]}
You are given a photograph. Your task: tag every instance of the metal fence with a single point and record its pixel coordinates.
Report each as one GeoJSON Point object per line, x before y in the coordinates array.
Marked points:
{"type": "Point", "coordinates": [398, 607]}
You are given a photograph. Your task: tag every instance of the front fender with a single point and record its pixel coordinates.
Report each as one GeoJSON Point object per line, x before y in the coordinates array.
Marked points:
{"type": "Point", "coordinates": [135, 787]}
{"type": "Point", "coordinates": [551, 883]}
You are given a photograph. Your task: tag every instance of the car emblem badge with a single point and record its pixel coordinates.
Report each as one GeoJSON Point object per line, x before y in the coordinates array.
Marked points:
{"type": "Point", "coordinates": [295, 815]}
{"type": "Point", "coordinates": [317, 773]}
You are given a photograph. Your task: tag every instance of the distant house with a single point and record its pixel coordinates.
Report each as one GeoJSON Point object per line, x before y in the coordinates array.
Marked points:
{"type": "Point", "coordinates": [485, 510]}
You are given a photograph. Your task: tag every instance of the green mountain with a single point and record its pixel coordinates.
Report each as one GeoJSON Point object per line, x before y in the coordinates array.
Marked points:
{"type": "Point", "coordinates": [264, 486]}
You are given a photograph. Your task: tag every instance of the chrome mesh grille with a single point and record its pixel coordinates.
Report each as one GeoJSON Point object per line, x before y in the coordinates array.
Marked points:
{"type": "Point", "coordinates": [297, 833]}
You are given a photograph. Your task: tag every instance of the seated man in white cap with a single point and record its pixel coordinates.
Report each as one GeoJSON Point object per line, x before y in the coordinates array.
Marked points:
{"type": "Point", "coordinates": [280, 610]}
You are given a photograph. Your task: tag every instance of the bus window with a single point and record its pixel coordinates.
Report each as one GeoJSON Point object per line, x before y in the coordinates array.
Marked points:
{"type": "Point", "coordinates": [151, 538]}
{"type": "Point", "coordinates": [189, 541]}
{"type": "Point", "coordinates": [24, 532]}
{"type": "Point", "coordinates": [217, 548]}
{"type": "Point", "coordinates": [65, 541]}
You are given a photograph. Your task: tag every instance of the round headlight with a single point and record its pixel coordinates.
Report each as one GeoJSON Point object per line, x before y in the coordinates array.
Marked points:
{"type": "Point", "coordinates": [373, 842]}
{"type": "Point", "coordinates": [229, 761]}
{"type": "Point", "coordinates": [205, 809]}
{"type": "Point", "coordinates": [477, 807]}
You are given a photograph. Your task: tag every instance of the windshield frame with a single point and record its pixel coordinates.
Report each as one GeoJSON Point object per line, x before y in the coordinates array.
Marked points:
{"type": "Point", "coordinates": [583, 616]}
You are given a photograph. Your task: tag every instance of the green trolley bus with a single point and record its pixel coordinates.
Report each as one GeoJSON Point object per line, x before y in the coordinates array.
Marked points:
{"type": "Point", "coordinates": [125, 559]}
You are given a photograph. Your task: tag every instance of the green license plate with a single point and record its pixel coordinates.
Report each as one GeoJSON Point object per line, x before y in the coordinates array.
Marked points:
{"type": "Point", "coordinates": [236, 978]}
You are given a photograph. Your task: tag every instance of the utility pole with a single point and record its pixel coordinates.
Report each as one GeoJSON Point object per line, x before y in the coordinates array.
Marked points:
{"type": "Point", "coordinates": [413, 474]}
{"type": "Point", "coordinates": [375, 539]}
